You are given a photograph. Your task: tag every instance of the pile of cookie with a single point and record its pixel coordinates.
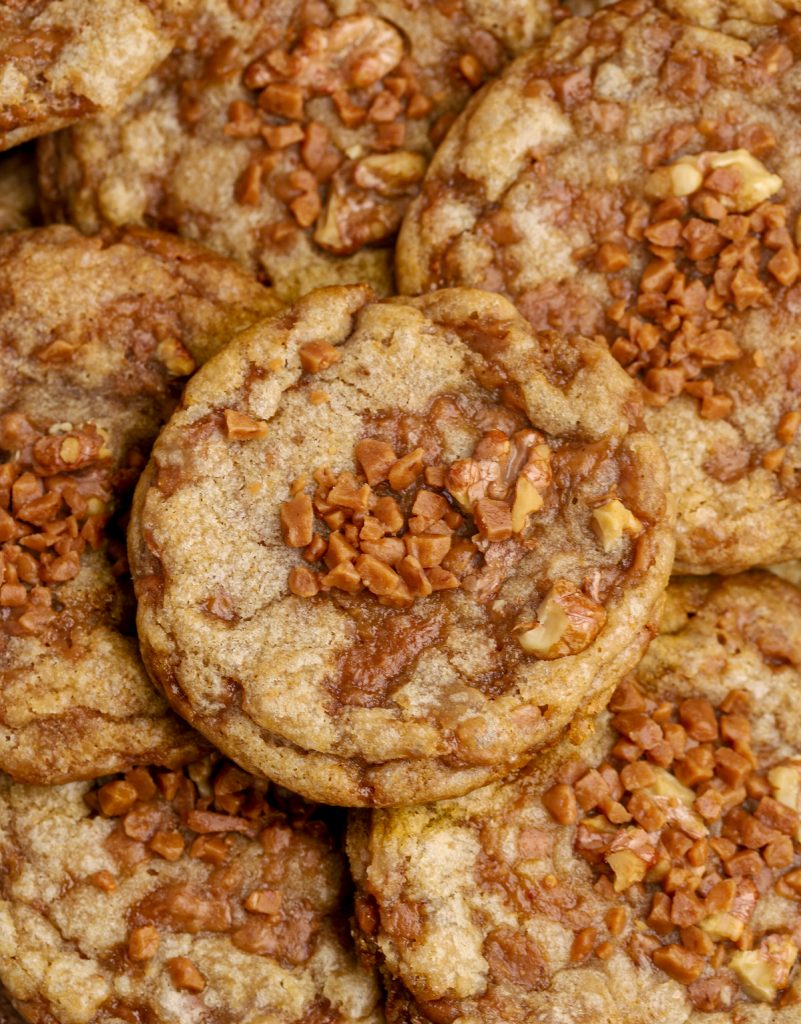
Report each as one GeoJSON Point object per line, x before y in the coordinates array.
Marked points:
{"type": "Point", "coordinates": [400, 511]}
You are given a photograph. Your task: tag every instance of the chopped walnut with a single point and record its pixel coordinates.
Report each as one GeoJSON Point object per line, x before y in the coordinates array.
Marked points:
{"type": "Point", "coordinates": [567, 622]}
{"type": "Point", "coordinates": [612, 520]}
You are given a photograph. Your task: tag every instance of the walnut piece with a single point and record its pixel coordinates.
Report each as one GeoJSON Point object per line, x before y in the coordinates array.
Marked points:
{"type": "Point", "coordinates": [567, 622]}
{"type": "Point", "coordinates": [611, 520]}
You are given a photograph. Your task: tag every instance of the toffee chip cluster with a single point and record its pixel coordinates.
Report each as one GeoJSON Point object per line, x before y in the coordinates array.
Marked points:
{"type": "Point", "coordinates": [685, 824]}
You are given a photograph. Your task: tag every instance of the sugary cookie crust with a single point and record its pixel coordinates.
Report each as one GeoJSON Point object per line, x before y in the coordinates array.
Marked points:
{"type": "Point", "coordinates": [545, 190]}
{"type": "Point", "coordinates": [183, 897]}
{"type": "Point", "coordinates": [337, 695]}
{"type": "Point", "coordinates": [484, 909]}
{"type": "Point", "coordinates": [61, 60]}
{"type": "Point", "coordinates": [97, 336]}
{"type": "Point", "coordinates": [290, 134]}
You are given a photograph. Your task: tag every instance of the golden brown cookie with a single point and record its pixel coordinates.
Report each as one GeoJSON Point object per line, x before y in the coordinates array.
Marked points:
{"type": "Point", "coordinates": [62, 60]}
{"type": "Point", "coordinates": [637, 176]}
{"type": "Point", "coordinates": [649, 876]}
{"type": "Point", "coordinates": [431, 538]}
{"type": "Point", "coordinates": [18, 194]}
{"type": "Point", "coordinates": [97, 336]}
{"type": "Point", "coordinates": [290, 134]}
{"type": "Point", "coordinates": [177, 897]}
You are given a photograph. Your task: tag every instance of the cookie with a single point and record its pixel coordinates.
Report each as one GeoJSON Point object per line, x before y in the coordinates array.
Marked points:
{"type": "Point", "coordinates": [97, 335]}
{"type": "Point", "coordinates": [176, 896]}
{"type": "Point", "coordinates": [650, 875]}
{"type": "Point", "coordinates": [18, 195]}
{"type": "Point", "coordinates": [62, 60]}
{"type": "Point", "coordinates": [432, 539]}
{"type": "Point", "coordinates": [290, 134]}
{"type": "Point", "coordinates": [638, 177]}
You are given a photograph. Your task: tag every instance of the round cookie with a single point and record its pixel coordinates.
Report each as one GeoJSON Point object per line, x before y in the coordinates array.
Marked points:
{"type": "Point", "coordinates": [650, 876]}
{"type": "Point", "coordinates": [177, 897]}
{"type": "Point", "coordinates": [638, 177]}
{"type": "Point", "coordinates": [62, 60]}
{"type": "Point", "coordinates": [433, 539]}
{"type": "Point", "coordinates": [97, 335]}
{"type": "Point", "coordinates": [18, 194]}
{"type": "Point", "coordinates": [290, 134]}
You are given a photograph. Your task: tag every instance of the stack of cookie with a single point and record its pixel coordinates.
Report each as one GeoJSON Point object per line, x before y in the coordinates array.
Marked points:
{"type": "Point", "coordinates": [367, 369]}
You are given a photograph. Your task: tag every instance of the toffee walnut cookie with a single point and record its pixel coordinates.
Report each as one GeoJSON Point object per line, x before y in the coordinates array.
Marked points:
{"type": "Point", "coordinates": [97, 336]}
{"type": "Point", "coordinates": [653, 876]}
{"type": "Point", "coordinates": [290, 134]}
{"type": "Point", "coordinates": [638, 176]}
{"type": "Point", "coordinates": [61, 60]}
{"type": "Point", "coordinates": [433, 538]}
{"type": "Point", "coordinates": [179, 897]}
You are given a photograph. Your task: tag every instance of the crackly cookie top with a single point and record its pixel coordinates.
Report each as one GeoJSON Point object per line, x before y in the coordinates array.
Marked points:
{"type": "Point", "coordinates": [637, 177]}
{"type": "Point", "coordinates": [61, 60]}
{"type": "Point", "coordinates": [431, 535]}
{"type": "Point", "coordinates": [183, 896]}
{"type": "Point", "coordinates": [97, 336]}
{"type": "Point", "coordinates": [291, 134]}
{"type": "Point", "coordinates": [650, 875]}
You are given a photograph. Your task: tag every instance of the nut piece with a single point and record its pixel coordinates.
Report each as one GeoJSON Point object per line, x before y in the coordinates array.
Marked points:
{"type": "Point", "coordinates": [628, 868]}
{"type": "Point", "coordinates": [185, 975]}
{"type": "Point", "coordinates": [176, 358]}
{"type": "Point", "coordinates": [675, 180]}
{"type": "Point", "coordinates": [763, 971]}
{"type": "Point", "coordinates": [785, 780]}
{"type": "Point", "coordinates": [611, 520]}
{"type": "Point", "coordinates": [527, 500]}
{"type": "Point", "coordinates": [722, 926]}
{"type": "Point", "coordinates": [241, 427]}
{"type": "Point", "coordinates": [742, 181]}
{"type": "Point", "coordinates": [667, 785]}
{"type": "Point", "coordinates": [567, 622]}
{"type": "Point", "coordinates": [756, 183]}
{"type": "Point", "coordinates": [390, 174]}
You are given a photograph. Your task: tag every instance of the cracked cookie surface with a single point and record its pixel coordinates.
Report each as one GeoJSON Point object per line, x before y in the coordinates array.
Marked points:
{"type": "Point", "coordinates": [97, 336]}
{"type": "Point", "coordinates": [649, 875]}
{"type": "Point", "coordinates": [433, 538]}
{"type": "Point", "coordinates": [290, 135]}
{"type": "Point", "coordinates": [637, 176]}
{"type": "Point", "coordinates": [198, 896]}
{"type": "Point", "coordinates": [61, 60]}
